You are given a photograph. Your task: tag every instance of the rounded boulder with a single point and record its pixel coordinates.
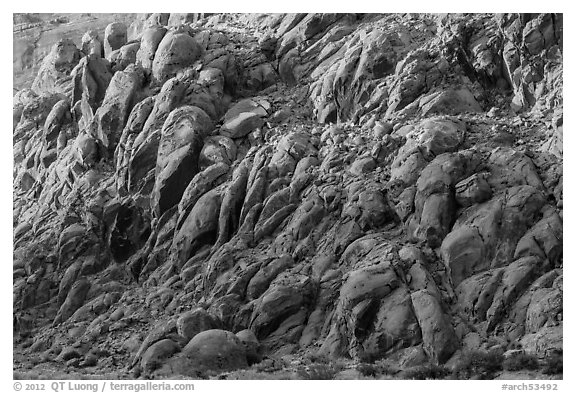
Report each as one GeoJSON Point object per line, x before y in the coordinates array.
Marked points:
{"type": "Point", "coordinates": [216, 350]}
{"type": "Point", "coordinates": [190, 323]}
{"type": "Point", "coordinates": [175, 52]}
{"type": "Point", "coordinates": [115, 36]}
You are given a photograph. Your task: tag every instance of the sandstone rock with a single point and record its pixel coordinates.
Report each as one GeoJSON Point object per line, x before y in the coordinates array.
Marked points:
{"type": "Point", "coordinates": [214, 350]}
{"type": "Point", "coordinates": [54, 73]}
{"type": "Point", "coordinates": [92, 77]}
{"type": "Point", "coordinates": [231, 204]}
{"type": "Point", "coordinates": [544, 239]}
{"type": "Point", "coordinates": [450, 102]}
{"type": "Point", "coordinates": [368, 207]}
{"type": "Point", "coordinates": [120, 98]}
{"type": "Point", "coordinates": [251, 344]}
{"type": "Point", "coordinates": [175, 52]}
{"type": "Point", "coordinates": [125, 147]}
{"type": "Point", "coordinates": [74, 300]}
{"type": "Point", "coordinates": [142, 162]}
{"type": "Point", "coordinates": [199, 227]}
{"type": "Point", "coordinates": [68, 280]}
{"type": "Point", "coordinates": [515, 279]}
{"type": "Point", "coordinates": [92, 44]}
{"type": "Point", "coordinates": [115, 36]}
{"type": "Point", "coordinates": [123, 57]}
{"type": "Point", "coordinates": [413, 223]}
{"type": "Point", "coordinates": [290, 150]}
{"type": "Point", "coordinates": [473, 189]}
{"type": "Point", "coordinates": [218, 149]}
{"type": "Point", "coordinates": [546, 341]}
{"type": "Point", "coordinates": [159, 331]}
{"type": "Point", "coordinates": [55, 120]}
{"type": "Point", "coordinates": [395, 325]}
{"type": "Point", "coordinates": [200, 184]}
{"type": "Point", "coordinates": [177, 161]}
{"type": "Point", "coordinates": [413, 76]}
{"type": "Point", "coordinates": [179, 19]}
{"type": "Point", "coordinates": [359, 295]}
{"type": "Point", "coordinates": [481, 239]}
{"type": "Point", "coordinates": [439, 339]}
{"type": "Point", "coordinates": [168, 99]}
{"type": "Point", "coordinates": [262, 279]}
{"type": "Point", "coordinates": [362, 166]}
{"type": "Point", "coordinates": [148, 45]}
{"type": "Point", "coordinates": [244, 117]}
{"type": "Point", "coordinates": [287, 295]}
{"type": "Point", "coordinates": [545, 309]}
{"type": "Point", "coordinates": [193, 322]}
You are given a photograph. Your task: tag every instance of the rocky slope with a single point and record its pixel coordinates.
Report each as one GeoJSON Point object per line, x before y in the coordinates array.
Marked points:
{"type": "Point", "coordinates": [196, 194]}
{"type": "Point", "coordinates": [35, 35]}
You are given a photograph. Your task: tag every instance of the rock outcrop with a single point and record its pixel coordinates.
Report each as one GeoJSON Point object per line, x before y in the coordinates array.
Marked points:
{"type": "Point", "coordinates": [223, 190]}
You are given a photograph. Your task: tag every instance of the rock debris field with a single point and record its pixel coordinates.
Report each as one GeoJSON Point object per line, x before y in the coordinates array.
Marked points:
{"type": "Point", "coordinates": [291, 196]}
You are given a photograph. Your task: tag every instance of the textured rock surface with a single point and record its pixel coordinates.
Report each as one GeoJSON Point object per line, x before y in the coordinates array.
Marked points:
{"type": "Point", "coordinates": [254, 190]}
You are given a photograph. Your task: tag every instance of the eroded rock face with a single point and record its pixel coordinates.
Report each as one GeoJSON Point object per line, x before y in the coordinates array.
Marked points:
{"type": "Point", "coordinates": [54, 74]}
{"type": "Point", "coordinates": [229, 189]}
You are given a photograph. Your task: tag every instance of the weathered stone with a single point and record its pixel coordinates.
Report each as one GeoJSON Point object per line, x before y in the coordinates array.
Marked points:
{"type": "Point", "coordinates": [190, 323]}
{"type": "Point", "coordinates": [178, 153]}
{"type": "Point", "coordinates": [148, 45]}
{"type": "Point", "coordinates": [211, 350]}
{"type": "Point", "coordinates": [115, 36]}
{"type": "Point", "coordinates": [175, 52]}
{"type": "Point", "coordinates": [244, 117]}
{"type": "Point", "coordinates": [199, 227]}
{"type": "Point", "coordinates": [438, 337]}
{"type": "Point", "coordinates": [54, 73]}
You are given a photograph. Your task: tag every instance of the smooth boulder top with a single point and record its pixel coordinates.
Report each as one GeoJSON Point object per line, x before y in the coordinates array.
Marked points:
{"type": "Point", "coordinates": [216, 349]}
{"type": "Point", "coordinates": [244, 117]}
{"type": "Point", "coordinates": [175, 52]}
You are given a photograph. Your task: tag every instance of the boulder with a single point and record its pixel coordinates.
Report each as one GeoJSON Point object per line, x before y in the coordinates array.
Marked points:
{"type": "Point", "coordinates": [251, 344]}
{"type": "Point", "coordinates": [265, 275]}
{"type": "Point", "coordinates": [544, 239]}
{"type": "Point", "coordinates": [56, 118]}
{"type": "Point", "coordinates": [92, 77]}
{"type": "Point", "coordinates": [244, 117]}
{"type": "Point", "coordinates": [485, 236]}
{"type": "Point", "coordinates": [438, 336]}
{"type": "Point", "coordinates": [474, 189]}
{"type": "Point", "coordinates": [54, 74]}
{"type": "Point", "coordinates": [149, 42]}
{"type": "Point", "coordinates": [123, 57]}
{"type": "Point", "coordinates": [155, 355]}
{"type": "Point", "coordinates": [176, 51]}
{"type": "Point", "coordinates": [180, 145]}
{"type": "Point", "coordinates": [121, 96]}
{"type": "Point", "coordinates": [74, 300]}
{"type": "Point", "coordinates": [211, 350]}
{"type": "Point", "coordinates": [451, 102]}
{"type": "Point", "coordinates": [190, 323]}
{"type": "Point", "coordinates": [200, 184]}
{"type": "Point", "coordinates": [115, 36]}
{"type": "Point", "coordinates": [92, 44]}
{"type": "Point", "coordinates": [361, 293]}
{"type": "Point", "coordinates": [218, 149]}
{"type": "Point", "coordinates": [545, 342]}
{"type": "Point", "coordinates": [199, 227]}
{"type": "Point", "coordinates": [286, 296]}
